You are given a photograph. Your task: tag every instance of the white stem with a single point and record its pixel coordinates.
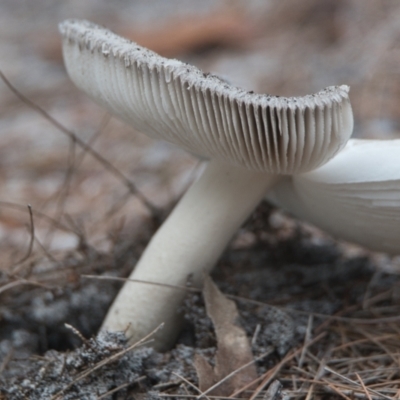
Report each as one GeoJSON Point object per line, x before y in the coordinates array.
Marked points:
{"type": "Point", "coordinates": [187, 245]}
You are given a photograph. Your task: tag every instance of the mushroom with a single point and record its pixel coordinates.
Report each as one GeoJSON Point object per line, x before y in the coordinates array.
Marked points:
{"type": "Point", "coordinates": [355, 196]}
{"type": "Point", "coordinates": [250, 140]}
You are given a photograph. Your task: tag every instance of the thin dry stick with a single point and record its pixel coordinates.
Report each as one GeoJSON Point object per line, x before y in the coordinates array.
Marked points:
{"type": "Point", "coordinates": [76, 226]}
{"type": "Point", "coordinates": [383, 385]}
{"type": "Point", "coordinates": [380, 345]}
{"type": "Point", "coordinates": [301, 380]}
{"type": "Point", "coordinates": [193, 396]}
{"type": "Point", "coordinates": [63, 191]}
{"type": "Point", "coordinates": [271, 374]}
{"type": "Point", "coordinates": [108, 360]}
{"type": "Point", "coordinates": [330, 318]}
{"type": "Point", "coordinates": [378, 372]}
{"type": "Point", "coordinates": [31, 241]}
{"type": "Point", "coordinates": [310, 392]}
{"type": "Point", "coordinates": [77, 333]}
{"type": "Point", "coordinates": [124, 385]}
{"type": "Point", "coordinates": [336, 390]}
{"type": "Point", "coordinates": [290, 356]}
{"type": "Point", "coordinates": [118, 205]}
{"type": "Point", "coordinates": [335, 317]}
{"type": "Point", "coordinates": [191, 385]}
{"type": "Point", "coordinates": [368, 289]}
{"type": "Point", "coordinates": [303, 372]}
{"type": "Point", "coordinates": [364, 387]}
{"type": "Point", "coordinates": [356, 383]}
{"type": "Point", "coordinates": [307, 338]}
{"type": "Point", "coordinates": [114, 278]}
{"type": "Point", "coordinates": [352, 391]}
{"type": "Point", "coordinates": [155, 212]}
{"type": "Point", "coordinates": [73, 164]}
{"type": "Point", "coordinates": [316, 359]}
{"type": "Point", "coordinates": [364, 321]}
{"type": "Point", "coordinates": [20, 207]}
{"type": "Point", "coordinates": [366, 340]}
{"type": "Point", "coordinates": [255, 334]}
{"type": "Point", "coordinates": [318, 374]}
{"type": "Point", "coordinates": [357, 392]}
{"type": "Point", "coordinates": [386, 295]}
{"type": "Point", "coordinates": [92, 140]}
{"type": "Point", "coordinates": [210, 389]}
{"type": "Point", "coordinates": [21, 281]}
{"type": "Point", "coordinates": [45, 251]}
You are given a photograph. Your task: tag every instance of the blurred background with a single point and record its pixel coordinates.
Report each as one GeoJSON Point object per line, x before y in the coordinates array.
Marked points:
{"type": "Point", "coordinates": [284, 47]}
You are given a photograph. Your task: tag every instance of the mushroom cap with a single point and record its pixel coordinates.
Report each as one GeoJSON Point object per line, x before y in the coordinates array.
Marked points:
{"type": "Point", "coordinates": [355, 196]}
{"type": "Point", "coordinates": [170, 100]}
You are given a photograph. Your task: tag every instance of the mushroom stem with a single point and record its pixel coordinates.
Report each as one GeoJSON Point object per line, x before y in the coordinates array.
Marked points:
{"type": "Point", "coordinates": [186, 246]}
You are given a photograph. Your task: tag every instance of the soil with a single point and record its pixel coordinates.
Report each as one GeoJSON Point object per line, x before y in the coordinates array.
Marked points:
{"type": "Point", "coordinates": [325, 313]}
{"type": "Point", "coordinates": [277, 285]}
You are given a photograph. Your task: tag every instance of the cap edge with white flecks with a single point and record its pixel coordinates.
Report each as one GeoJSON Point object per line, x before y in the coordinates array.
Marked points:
{"type": "Point", "coordinates": [173, 101]}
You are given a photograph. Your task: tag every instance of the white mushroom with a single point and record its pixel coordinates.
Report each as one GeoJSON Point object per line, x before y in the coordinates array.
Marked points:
{"type": "Point", "coordinates": [249, 139]}
{"type": "Point", "coordinates": [355, 196]}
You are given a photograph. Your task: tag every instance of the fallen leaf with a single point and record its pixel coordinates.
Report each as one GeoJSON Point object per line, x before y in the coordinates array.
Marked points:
{"type": "Point", "coordinates": [205, 372]}
{"type": "Point", "coordinates": [233, 346]}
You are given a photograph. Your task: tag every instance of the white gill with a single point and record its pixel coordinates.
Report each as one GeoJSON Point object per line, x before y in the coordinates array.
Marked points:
{"type": "Point", "coordinates": [176, 102]}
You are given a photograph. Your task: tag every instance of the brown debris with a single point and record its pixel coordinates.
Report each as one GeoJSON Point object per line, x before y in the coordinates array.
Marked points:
{"type": "Point", "coordinates": [224, 28]}
{"type": "Point", "coordinates": [233, 347]}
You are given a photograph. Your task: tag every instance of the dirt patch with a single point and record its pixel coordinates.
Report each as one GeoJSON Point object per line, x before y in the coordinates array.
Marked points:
{"type": "Point", "coordinates": [283, 306]}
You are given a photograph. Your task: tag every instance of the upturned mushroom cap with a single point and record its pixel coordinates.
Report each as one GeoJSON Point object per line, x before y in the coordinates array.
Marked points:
{"type": "Point", "coordinates": [170, 100]}
{"type": "Point", "coordinates": [355, 196]}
